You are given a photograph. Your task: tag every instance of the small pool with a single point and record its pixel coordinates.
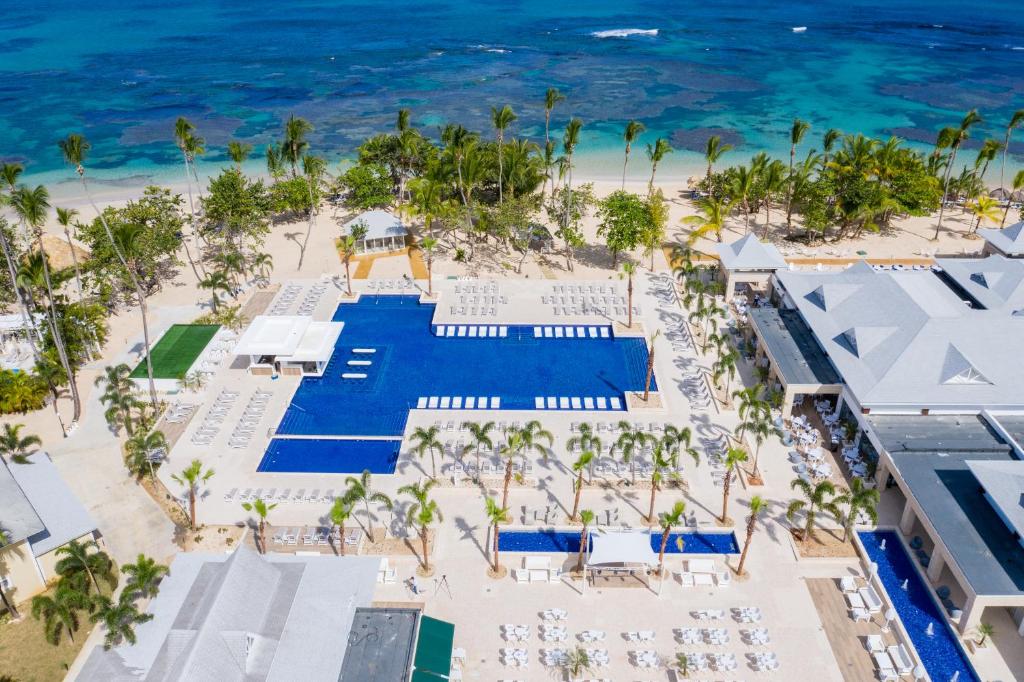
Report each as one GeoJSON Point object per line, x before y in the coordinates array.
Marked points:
{"type": "Point", "coordinates": [569, 541]}
{"type": "Point", "coordinates": [941, 653]}
{"type": "Point", "coordinates": [330, 456]}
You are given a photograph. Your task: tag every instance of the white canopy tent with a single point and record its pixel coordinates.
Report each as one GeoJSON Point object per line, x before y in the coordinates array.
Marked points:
{"type": "Point", "coordinates": [384, 231]}
{"type": "Point", "coordinates": [291, 344]}
{"type": "Point", "coordinates": [626, 551]}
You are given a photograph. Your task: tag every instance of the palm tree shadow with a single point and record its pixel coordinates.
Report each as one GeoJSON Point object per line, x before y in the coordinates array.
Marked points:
{"type": "Point", "coordinates": [469, 533]}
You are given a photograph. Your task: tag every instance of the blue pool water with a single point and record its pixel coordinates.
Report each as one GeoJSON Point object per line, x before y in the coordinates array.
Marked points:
{"type": "Point", "coordinates": [569, 541]}
{"type": "Point", "coordinates": [941, 653]}
{"type": "Point", "coordinates": [410, 363]}
{"type": "Point", "coordinates": [295, 455]}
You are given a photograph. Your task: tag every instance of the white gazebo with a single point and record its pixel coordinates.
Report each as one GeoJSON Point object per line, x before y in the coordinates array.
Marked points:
{"type": "Point", "coordinates": [619, 552]}
{"type": "Point", "coordinates": [748, 260]}
{"type": "Point", "coordinates": [384, 231]}
{"type": "Point", "coordinates": [289, 344]}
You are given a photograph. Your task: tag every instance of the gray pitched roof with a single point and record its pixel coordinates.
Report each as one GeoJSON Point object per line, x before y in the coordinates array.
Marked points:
{"type": "Point", "coordinates": [907, 339]}
{"type": "Point", "coordinates": [36, 504]}
{"type": "Point", "coordinates": [247, 617]}
{"type": "Point", "coordinates": [1004, 483]}
{"type": "Point", "coordinates": [749, 253]}
{"type": "Point", "coordinates": [996, 282]}
{"type": "Point", "coordinates": [1009, 240]}
{"type": "Point", "coordinates": [379, 224]}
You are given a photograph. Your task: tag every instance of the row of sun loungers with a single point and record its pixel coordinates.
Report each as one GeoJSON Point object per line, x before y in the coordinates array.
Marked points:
{"type": "Point", "coordinates": [210, 427]}
{"type": "Point", "coordinates": [247, 424]}
{"type": "Point", "coordinates": [179, 413]}
{"type": "Point", "coordinates": [695, 388]}
{"type": "Point", "coordinates": [384, 285]}
{"type": "Point", "coordinates": [285, 496]}
{"type": "Point", "coordinates": [315, 536]}
{"type": "Point", "coordinates": [477, 299]}
{"type": "Point", "coordinates": [285, 299]}
{"type": "Point", "coordinates": [584, 289]}
{"type": "Point", "coordinates": [477, 288]}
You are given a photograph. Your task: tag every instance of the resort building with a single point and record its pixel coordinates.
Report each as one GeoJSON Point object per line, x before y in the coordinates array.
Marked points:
{"type": "Point", "coordinates": [293, 345]}
{"type": "Point", "coordinates": [39, 514]}
{"type": "Point", "coordinates": [923, 365]}
{"type": "Point", "coordinates": [384, 231]}
{"type": "Point", "coordinates": [249, 617]}
{"type": "Point", "coordinates": [1008, 241]}
{"type": "Point", "coordinates": [748, 261]}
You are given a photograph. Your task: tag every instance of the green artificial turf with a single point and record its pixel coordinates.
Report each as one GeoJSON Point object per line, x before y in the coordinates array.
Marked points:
{"type": "Point", "coordinates": [176, 350]}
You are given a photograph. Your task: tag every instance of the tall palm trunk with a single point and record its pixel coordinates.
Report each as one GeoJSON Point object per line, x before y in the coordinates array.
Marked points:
{"type": "Point", "coordinates": [625, 163]}
{"type": "Point", "coordinates": [945, 190]}
{"type": "Point", "coordinates": [9, 604]}
{"type": "Point", "coordinates": [58, 338]}
{"type": "Point", "coordinates": [192, 217]}
{"type": "Point", "coordinates": [145, 337]}
{"type": "Point", "coordinates": [579, 491]}
{"type": "Point", "coordinates": [568, 207]}
{"type": "Point", "coordinates": [726, 484]}
{"type": "Point", "coordinates": [654, 493]}
{"type": "Point", "coordinates": [789, 195]}
{"type": "Point", "coordinates": [501, 168]}
{"type": "Point", "coordinates": [497, 564]}
{"type": "Point", "coordinates": [309, 224]}
{"type": "Point", "coordinates": [192, 510]}
{"type": "Point", "coordinates": [426, 556]}
{"type": "Point", "coordinates": [746, 546]}
{"type": "Point", "coordinates": [508, 481]}
{"type": "Point", "coordinates": [26, 317]}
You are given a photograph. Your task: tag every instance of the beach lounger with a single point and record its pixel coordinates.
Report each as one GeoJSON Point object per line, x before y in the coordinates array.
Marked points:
{"type": "Point", "coordinates": [901, 659]}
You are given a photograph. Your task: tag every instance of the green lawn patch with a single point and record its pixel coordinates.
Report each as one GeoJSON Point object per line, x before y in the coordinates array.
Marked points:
{"type": "Point", "coordinates": [176, 350]}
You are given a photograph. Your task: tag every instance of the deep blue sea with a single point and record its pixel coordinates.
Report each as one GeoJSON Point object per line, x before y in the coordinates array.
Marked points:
{"type": "Point", "coordinates": [122, 70]}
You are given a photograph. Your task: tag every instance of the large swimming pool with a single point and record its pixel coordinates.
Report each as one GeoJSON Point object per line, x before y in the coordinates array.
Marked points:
{"type": "Point", "coordinates": [569, 541]}
{"type": "Point", "coordinates": [941, 653]}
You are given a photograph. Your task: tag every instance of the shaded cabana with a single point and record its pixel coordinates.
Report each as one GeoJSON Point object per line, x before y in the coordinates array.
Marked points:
{"type": "Point", "coordinates": [748, 261]}
{"type": "Point", "coordinates": [289, 344]}
{"type": "Point", "coordinates": [625, 552]}
{"type": "Point", "coordinates": [384, 231]}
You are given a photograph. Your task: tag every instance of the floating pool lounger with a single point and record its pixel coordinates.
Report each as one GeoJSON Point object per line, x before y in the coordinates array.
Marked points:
{"type": "Point", "coordinates": [602, 404]}
{"type": "Point", "coordinates": [495, 403]}
{"type": "Point", "coordinates": [364, 350]}
{"type": "Point", "coordinates": [353, 375]}
{"type": "Point", "coordinates": [588, 403]}
{"type": "Point", "coordinates": [503, 331]}
{"type": "Point", "coordinates": [593, 332]}
{"type": "Point", "coordinates": [563, 403]}
{"type": "Point", "coordinates": [457, 403]}
{"type": "Point", "coordinates": [470, 403]}
{"type": "Point", "coordinates": [432, 402]}
{"type": "Point", "coordinates": [445, 402]}
{"type": "Point", "coordinates": [358, 363]}
{"type": "Point", "coordinates": [537, 333]}
{"type": "Point", "coordinates": [616, 405]}
{"type": "Point", "coordinates": [604, 332]}
{"type": "Point", "coordinates": [576, 404]}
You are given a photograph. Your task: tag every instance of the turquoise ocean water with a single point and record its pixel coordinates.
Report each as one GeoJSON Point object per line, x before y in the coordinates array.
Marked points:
{"type": "Point", "coordinates": [122, 70]}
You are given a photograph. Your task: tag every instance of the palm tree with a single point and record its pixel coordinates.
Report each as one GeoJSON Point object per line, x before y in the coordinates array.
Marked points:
{"type": "Point", "coordinates": [579, 466]}
{"type": "Point", "coordinates": [144, 577]}
{"type": "Point", "coordinates": [480, 437]}
{"type": "Point", "coordinates": [532, 433]}
{"type": "Point", "coordinates": [710, 219]}
{"type": "Point", "coordinates": [984, 208]}
{"type": "Point", "coordinates": [426, 441]}
{"type": "Point", "coordinates": [650, 364]}
{"type": "Point", "coordinates": [261, 509]}
{"type": "Point", "coordinates": [239, 153]}
{"type": "Point", "coordinates": [628, 270]}
{"type": "Point", "coordinates": [669, 520]}
{"type": "Point", "coordinates": [857, 499]}
{"type": "Point", "coordinates": [512, 448]}
{"type": "Point", "coordinates": [361, 490]}
{"type": "Point", "coordinates": [495, 517]}
{"type": "Point", "coordinates": [191, 478]}
{"type": "Point", "coordinates": [215, 281]}
{"type": "Point", "coordinates": [501, 119]}
{"type": "Point", "coordinates": [294, 145]}
{"type": "Point", "coordinates": [733, 458]}
{"type": "Point", "coordinates": [1018, 184]}
{"type": "Point", "coordinates": [660, 464]}
{"type": "Point", "coordinates": [340, 512]}
{"type": "Point", "coordinates": [817, 500]}
{"type": "Point", "coordinates": [630, 443]}
{"type": "Point", "coordinates": [118, 396]}
{"type": "Point", "coordinates": [31, 207]}
{"type": "Point", "coordinates": [569, 142]}
{"type": "Point", "coordinates": [990, 149]}
{"type": "Point", "coordinates": [16, 448]}
{"type": "Point", "coordinates": [1015, 121]}
{"type": "Point", "coordinates": [757, 507]}
{"type": "Point", "coordinates": [725, 366]}
{"type": "Point", "coordinates": [127, 240]}
{"type": "Point", "coordinates": [422, 513]}
{"type": "Point", "coordinates": [577, 661]}
{"type": "Point", "coordinates": [759, 425]}
{"type": "Point", "coordinates": [429, 244]}
{"type": "Point", "coordinates": [743, 181]}
{"type": "Point", "coordinates": [586, 518]}
{"type": "Point", "coordinates": [141, 450]}
{"type": "Point", "coordinates": [119, 618]}
{"type": "Point", "coordinates": [713, 151]}
{"type": "Point", "coordinates": [8, 603]}
{"type": "Point", "coordinates": [59, 613]}
{"type": "Point", "coordinates": [190, 146]}
{"type": "Point", "coordinates": [65, 216]}
{"type": "Point", "coordinates": [551, 98]}
{"type": "Point", "coordinates": [957, 137]}
{"type": "Point", "coordinates": [796, 135]}
{"type": "Point", "coordinates": [751, 400]}
{"type": "Point", "coordinates": [9, 173]}
{"type": "Point", "coordinates": [633, 130]}
{"type": "Point", "coordinates": [985, 630]}
{"type": "Point", "coordinates": [773, 179]}
{"type": "Point", "coordinates": [84, 564]}
{"type": "Point", "coordinates": [655, 153]}
{"type": "Point", "coordinates": [828, 142]}
{"type": "Point", "coordinates": [348, 245]}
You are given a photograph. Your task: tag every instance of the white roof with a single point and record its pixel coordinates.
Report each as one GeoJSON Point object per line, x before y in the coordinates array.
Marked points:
{"type": "Point", "coordinates": [996, 282]}
{"type": "Point", "coordinates": [13, 322]}
{"type": "Point", "coordinates": [749, 253]}
{"type": "Point", "coordinates": [1009, 240]}
{"type": "Point", "coordinates": [245, 617]}
{"type": "Point", "coordinates": [621, 547]}
{"type": "Point", "coordinates": [273, 335]}
{"type": "Point", "coordinates": [379, 224]}
{"type": "Point", "coordinates": [316, 344]}
{"type": "Point", "coordinates": [1004, 482]}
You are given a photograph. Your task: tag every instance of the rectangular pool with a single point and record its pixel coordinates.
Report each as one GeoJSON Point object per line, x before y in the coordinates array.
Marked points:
{"type": "Point", "coordinates": [569, 541]}
{"type": "Point", "coordinates": [330, 456]}
{"type": "Point", "coordinates": [941, 653]}
{"type": "Point", "coordinates": [396, 363]}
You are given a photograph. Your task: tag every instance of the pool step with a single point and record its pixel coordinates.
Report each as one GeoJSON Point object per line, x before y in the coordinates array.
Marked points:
{"type": "Point", "coordinates": [458, 402]}
{"type": "Point", "coordinates": [577, 403]}
{"type": "Point", "coordinates": [471, 330]}
{"type": "Point", "coordinates": [574, 332]}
